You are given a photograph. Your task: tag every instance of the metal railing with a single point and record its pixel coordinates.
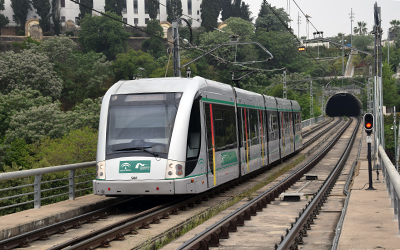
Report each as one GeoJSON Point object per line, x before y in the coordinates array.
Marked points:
{"type": "Point", "coordinates": [311, 121]}
{"type": "Point", "coordinates": [20, 188]}
{"type": "Point", "coordinates": [392, 180]}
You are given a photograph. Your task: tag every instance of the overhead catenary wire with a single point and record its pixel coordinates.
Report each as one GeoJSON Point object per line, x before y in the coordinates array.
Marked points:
{"type": "Point", "coordinates": [284, 25]}
{"type": "Point", "coordinates": [222, 60]}
{"type": "Point", "coordinates": [200, 22]}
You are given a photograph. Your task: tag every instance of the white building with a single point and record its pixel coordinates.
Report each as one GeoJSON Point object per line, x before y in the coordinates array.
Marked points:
{"type": "Point", "coordinates": [135, 12]}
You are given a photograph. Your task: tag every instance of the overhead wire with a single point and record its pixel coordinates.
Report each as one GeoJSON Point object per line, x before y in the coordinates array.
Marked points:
{"type": "Point", "coordinates": [284, 25]}
{"type": "Point", "coordinates": [200, 22]}
{"type": "Point", "coordinates": [222, 60]}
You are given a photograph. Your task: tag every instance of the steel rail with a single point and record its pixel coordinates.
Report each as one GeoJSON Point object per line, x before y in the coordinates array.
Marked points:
{"type": "Point", "coordinates": [323, 124]}
{"type": "Point", "coordinates": [347, 192]}
{"type": "Point", "coordinates": [59, 227]}
{"type": "Point", "coordinates": [307, 143]}
{"type": "Point", "coordinates": [210, 236]}
{"type": "Point", "coordinates": [295, 235]}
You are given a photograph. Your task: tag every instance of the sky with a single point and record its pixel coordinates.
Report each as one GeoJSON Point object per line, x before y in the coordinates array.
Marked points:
{"type": "Point", "coordinates": [333, 16]}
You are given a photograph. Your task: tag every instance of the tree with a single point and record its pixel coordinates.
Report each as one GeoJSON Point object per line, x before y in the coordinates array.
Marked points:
{"type": "Point", "coordinates": [174, 10]}
{"type": "Point", "coordinates": [390, 95]}
{"type": "Point", "coordinates": [363, 42]}
{"type": "Point", "coordinates": [36, 123]}
{"type": "Point", "coordinates": [154, 45]}
{"type": "Point", "coordinates": [267, 20]}
{"type": "Point", "coordinates": [115, 6]}
{"type": "Point", "coordinates": [209, 14]}
{"type": "Point", "coordinates": [236, 8]}
{"type": "Point", "coordinates": [153, 8]}
{"type": "Point", "coordinates": [395, 27]}
{"type": "Point", "coordinates": [16, 101]}
{"type": "Point", "coordinates": [285, 52]}
{"type": "Point", "coordinates": [3, 19]}
{"type": "Point", "coordinates": [28, 69]}
{"type": "Point", "coordinates": [21, 9]}
{"type": "Point", "coordinates": [361, 28]}
{"type": "Point", "coordinates": [84, 10]}
{"type": "Point", "coordinates": [103, 34]}
{"type": "Point", "coordinates": [43, 10]}
{"type": "Point", "coordinates": [77, 146]}
{"type": "Point", "coordinates": [127, 64]}
{"type": "Point", "coordinates": [226, 7]}
{"type": "Point", "coordinates": [245, 12]}
{"type": "Point", "coordinates": [84, 115]}
{"type": "Point", "coordinates": [84, 76]}
{"type": "Point", "coordinates": [58, 48]}
{"type": "Point", "coordinates": [55, 14]}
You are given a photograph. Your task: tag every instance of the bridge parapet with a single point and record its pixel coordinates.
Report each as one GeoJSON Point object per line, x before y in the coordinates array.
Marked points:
{"type": "Point", "coordinates": [392, 180]}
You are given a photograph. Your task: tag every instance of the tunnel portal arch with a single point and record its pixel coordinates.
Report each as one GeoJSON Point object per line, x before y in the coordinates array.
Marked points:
{"type": "Point", "coordinates": [343, 104]}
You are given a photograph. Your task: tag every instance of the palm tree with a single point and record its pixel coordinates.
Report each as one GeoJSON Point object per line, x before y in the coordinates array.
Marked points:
{"type": "Point", "coordinates": [395, 27]}
{"type": "Point", "coordinates": [361, 29]}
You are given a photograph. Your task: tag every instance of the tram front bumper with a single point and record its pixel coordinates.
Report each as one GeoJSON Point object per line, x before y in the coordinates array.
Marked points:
{"type": "Point", "coordinates": [137, 187]}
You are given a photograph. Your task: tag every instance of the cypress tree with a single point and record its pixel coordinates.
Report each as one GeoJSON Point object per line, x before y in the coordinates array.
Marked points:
{"type": "Point", "coordinates": [174, 10]}
{"type": "Point", "coordinates": [209, 14]}
{"type": "Point", "coordinates": [84, 10]}
{"type": "Point", "coordinates": [153, 8]}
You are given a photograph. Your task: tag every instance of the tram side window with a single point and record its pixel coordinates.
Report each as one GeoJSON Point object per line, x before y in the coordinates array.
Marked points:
{"type": "Point", "coordinates": [286, 123]}
{"type": "Point", "coordinates": [254, 128]}
{"type": "Point", "coordinates": [193, 144]}
{"type": "Point", "coordinates": [224, 126]}
{"type": "Point", "coordinates": [224, 129]}
{"type": "Point", "coordinates": [297, 122]}
{"type": "Point", "coordinates": [273, 126]}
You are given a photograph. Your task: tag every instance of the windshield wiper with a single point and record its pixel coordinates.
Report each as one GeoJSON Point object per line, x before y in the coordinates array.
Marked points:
{"type": "Point", "coordinates": [144, 149]}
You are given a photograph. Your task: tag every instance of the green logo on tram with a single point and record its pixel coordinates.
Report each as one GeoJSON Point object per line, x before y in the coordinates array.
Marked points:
{"type": "Point", "coordinates": [134, 166]}
{"type": "Point", "coordinates": [228, 157]}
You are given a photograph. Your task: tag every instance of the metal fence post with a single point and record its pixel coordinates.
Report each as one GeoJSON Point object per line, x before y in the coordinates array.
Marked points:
{"type": "Point", "coordinates": [37, 189]}
{"type": "Point", "coordinates": [395, 202]}
{"type": "Point", "coordinates": [72, 184]}
{"type": "Point", "coordinates": [398, 212]}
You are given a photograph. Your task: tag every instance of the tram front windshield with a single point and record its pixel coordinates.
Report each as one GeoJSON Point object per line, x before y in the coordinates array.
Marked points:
{"type": "Point", "coordinates": [141, 124]}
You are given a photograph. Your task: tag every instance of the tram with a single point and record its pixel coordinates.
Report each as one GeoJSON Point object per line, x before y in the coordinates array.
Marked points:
{"type": "Point", "coordinates": [168, 136]}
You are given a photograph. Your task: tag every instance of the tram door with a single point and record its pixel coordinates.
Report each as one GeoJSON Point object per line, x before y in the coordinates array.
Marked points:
{"type": "Point", "coordinates": [221, 143]}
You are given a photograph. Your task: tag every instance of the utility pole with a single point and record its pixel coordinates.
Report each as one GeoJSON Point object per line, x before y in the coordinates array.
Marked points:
{"type": "Point", "coordinates": [308, 25]}
{"type": "Point", "coordinates": [342, 55]}
{"type": "Point", "coordinates": [284, 85]}
{"type": "Point", "coordinates": [298, 24]}
{"type": "Point", "coordinates": [311, 101]}
{"type": "Point", "coordinates": [177, 59]}
{"type": "Point", "coordinates": [351, 24]}
{"type": "Point", "coordinates": [370, 91]}
{"type": "Point", "coordinates": [323, 100]}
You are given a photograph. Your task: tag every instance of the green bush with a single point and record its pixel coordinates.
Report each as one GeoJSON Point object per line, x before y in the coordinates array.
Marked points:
{"type": "Point", "coordinates": [69, 33]}
{"type": "Point", "coordinates": [21, 33]}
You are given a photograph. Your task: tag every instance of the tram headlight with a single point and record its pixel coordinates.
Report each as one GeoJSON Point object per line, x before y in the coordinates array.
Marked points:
{"type": "Point", "coordinates": [175, 169]}
{"type": "Point", "coordinates": [101, 170]}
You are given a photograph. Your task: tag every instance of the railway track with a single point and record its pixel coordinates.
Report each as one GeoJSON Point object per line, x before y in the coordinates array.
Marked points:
{"type": "Point", "coordinates": [129, 224]}
{"type": "Point", "coordinates": [269, 223]}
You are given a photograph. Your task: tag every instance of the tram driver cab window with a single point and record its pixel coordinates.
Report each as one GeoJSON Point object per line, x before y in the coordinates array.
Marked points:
{"type": "Point", "coordinates": [193, 143]}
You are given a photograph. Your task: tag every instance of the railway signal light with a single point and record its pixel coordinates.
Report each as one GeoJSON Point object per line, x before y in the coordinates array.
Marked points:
{"type": "Point", "coordinates": [302, 48]}
{"type": "Point", "coordinates": [368, 123]}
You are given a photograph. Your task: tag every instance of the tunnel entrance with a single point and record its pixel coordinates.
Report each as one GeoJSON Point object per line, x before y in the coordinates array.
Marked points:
{"type": "Point", "coordinates": [343, 104]}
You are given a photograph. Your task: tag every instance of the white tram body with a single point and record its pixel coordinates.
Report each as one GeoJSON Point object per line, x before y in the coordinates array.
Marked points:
{"type": "Point", "coordinates": [188, 135]}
